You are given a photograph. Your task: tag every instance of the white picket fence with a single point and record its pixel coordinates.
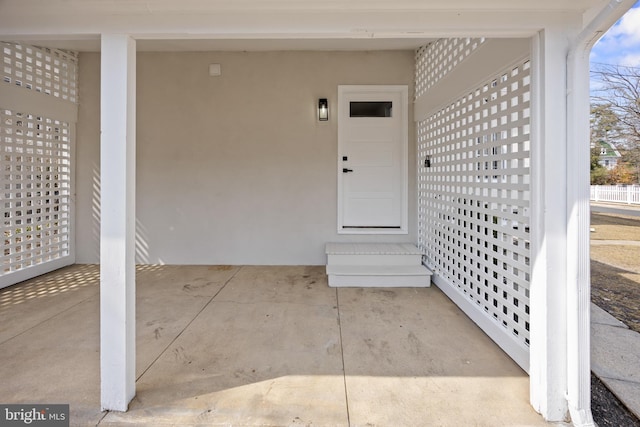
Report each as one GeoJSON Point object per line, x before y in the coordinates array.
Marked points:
{"type": "Point", "coordinates": [629, 194]}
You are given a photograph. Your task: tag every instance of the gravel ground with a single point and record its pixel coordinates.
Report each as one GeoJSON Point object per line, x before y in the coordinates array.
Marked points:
{"type": "Point", "coordinates": [607, 410]}
{"type": "Point", "coordinates": [615, 287]}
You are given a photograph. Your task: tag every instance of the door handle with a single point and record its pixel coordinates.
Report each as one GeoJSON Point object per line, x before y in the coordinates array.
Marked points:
{"type": "Point", "coordinates": [345, 170]}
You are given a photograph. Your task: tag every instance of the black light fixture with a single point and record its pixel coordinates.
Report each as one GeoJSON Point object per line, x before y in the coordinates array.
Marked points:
{"type": "Point", "coordinates": [427, 161]}
{"type": "Point", "coordinates": [323, 109]}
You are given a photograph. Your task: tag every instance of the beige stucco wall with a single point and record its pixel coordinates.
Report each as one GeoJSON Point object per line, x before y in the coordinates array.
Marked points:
{"type": "Point", "coordinates": [233, 169]}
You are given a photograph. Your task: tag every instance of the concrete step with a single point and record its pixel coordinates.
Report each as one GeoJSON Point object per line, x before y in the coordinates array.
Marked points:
{"type": "Point", "coordinates": [376, 265]}
{"type": "Point", "coordinates": [372, 254]}
{"type": "Point", "coordinates": [378, 276]}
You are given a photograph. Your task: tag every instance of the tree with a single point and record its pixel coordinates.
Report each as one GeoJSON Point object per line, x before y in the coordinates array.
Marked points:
{"type": "Point", "coordinates": [632, 159]}
{"type": "Point", "coordinates": [595, 157]}
{"type": "Point", "coordinates": [621, 174]}
{"type": "Point", "coordinates": [618, 90]}
{"type": "Point", "coordinates": [600, 176]}
{"type": "Point", "coordinates": [605, 124]}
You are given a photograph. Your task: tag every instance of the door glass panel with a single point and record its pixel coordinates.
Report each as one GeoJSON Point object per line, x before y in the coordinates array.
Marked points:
{"type": "Point", "coordinates": [370, 108]}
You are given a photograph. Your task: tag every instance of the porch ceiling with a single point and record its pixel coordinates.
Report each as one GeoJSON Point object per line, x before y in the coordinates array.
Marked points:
{"type": "Point", "coordinates": [281, 24]}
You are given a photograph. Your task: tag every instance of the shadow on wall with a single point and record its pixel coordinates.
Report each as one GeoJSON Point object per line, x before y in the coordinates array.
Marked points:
{"type": "Point", "coordinates": [95, 211]}
{"type": "Point", "coordinates": [142, 235]}
{"type": "Point", "coordinates": [142, 244]}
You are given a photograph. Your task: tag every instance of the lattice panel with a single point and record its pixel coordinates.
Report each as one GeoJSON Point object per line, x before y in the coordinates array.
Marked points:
{"type": "Point", "coordinates": [437, 59]}
{"type": "Point", "coordinates": [49, 71]}
{"type": "Point", "coordinates": [36, 189]}
{"type": "Point", "coordinates": [474, 199]}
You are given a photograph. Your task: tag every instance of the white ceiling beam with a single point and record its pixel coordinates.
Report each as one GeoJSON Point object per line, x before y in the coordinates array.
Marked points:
{"type": "Point", "coordinates": [63, 7]}
{"type": "Point", "coordinates": [282, 24]}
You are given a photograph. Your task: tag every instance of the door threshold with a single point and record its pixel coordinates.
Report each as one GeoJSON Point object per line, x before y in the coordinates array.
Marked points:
{"type": "Point", "coordinates": [371, 230]}
{"type": "Point", "coordinates": [372, 226]}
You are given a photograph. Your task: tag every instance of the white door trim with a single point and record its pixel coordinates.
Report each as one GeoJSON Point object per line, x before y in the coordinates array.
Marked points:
{"type": "Point", "coordinates": [403, 110]}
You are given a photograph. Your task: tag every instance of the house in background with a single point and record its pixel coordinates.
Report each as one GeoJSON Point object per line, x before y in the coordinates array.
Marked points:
{"type": "Point", "coordinates": [609, 155]}
{"type": "Point", "coordinates": [188, 133]}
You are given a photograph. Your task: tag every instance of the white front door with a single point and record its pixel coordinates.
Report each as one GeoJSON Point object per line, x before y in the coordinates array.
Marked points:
{"type": "Point", "coordinates": [372, 159]}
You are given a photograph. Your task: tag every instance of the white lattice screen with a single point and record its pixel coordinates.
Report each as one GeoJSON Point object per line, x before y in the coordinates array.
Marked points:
{"type": "Point", "coordinates": [474, 199]}
{"type": "Point", "coordinates": [437, 59]}
{"type": "Point", "coordinates": [36, 177]}
{"type": "Point", "coordinates": [49, 71]}
{"type": "Point", "coordinates": [36, 162]}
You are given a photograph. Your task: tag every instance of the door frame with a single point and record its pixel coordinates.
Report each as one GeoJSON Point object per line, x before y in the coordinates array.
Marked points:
{"type": "Point", "coordinates": [403, 110]}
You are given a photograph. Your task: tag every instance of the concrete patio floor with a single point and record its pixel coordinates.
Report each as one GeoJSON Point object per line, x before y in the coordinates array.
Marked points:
{"type": "Point", "coordinates": [258, 346]}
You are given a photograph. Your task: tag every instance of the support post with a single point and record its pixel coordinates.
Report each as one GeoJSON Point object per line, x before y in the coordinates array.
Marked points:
{"type": "Point", "coordinates": [548, 294]}
{"type": "Point", "coordinates": [578, 239]}
{"type": "Point", "coordinates": [117, 224]}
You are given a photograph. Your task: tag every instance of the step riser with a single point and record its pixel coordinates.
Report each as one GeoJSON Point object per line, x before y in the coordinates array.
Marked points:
{"type": "Point", "coordinates": [376, 265]}
{"type": "Point", "coordinates": [336, 281]}
{"type": "Point", "coordinates": [364, 259]}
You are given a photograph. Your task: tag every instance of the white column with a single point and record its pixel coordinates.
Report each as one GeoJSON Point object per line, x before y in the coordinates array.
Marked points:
{"type": "Point", "coordinates": [578, 239]}
{"type": "Point", "coordinates": [548, 294]}
{"type": "Point", "coordinates": [117, 229]}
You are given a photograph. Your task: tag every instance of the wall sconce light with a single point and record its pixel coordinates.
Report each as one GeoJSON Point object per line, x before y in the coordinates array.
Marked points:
{"type": "Point", "coordinates": [427, 161]}
{"type": "Point", "coordinates": [323, 109]}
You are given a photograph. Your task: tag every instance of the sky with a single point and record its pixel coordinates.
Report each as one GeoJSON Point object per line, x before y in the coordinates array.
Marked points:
{"type": "Point", "coordinates": [621, 44]}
